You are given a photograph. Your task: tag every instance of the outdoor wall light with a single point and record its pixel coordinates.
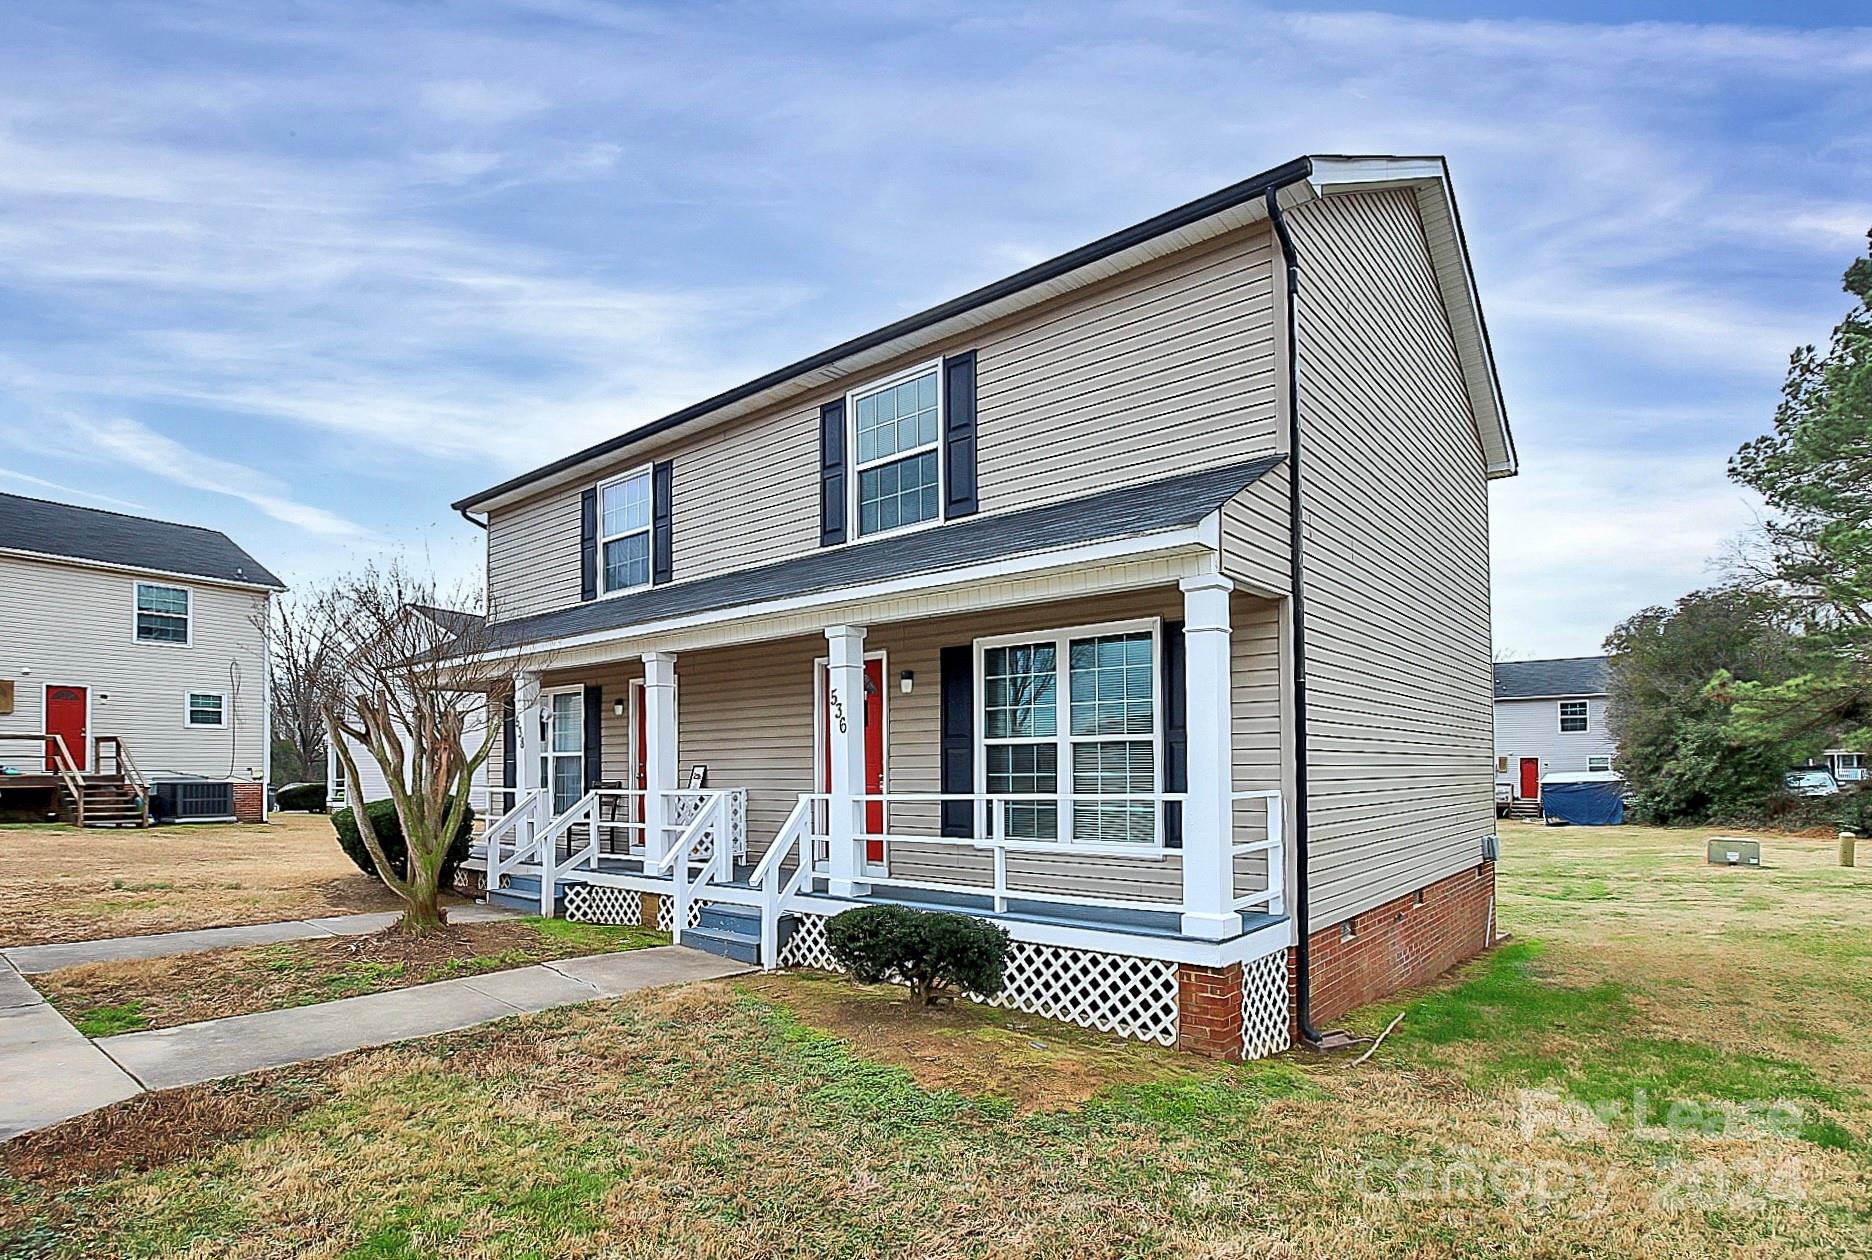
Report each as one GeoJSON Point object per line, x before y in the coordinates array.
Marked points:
{"type": "Point", "coordinates": [617, 707]}
{"type": "Point", "coordinates": [906, 680]}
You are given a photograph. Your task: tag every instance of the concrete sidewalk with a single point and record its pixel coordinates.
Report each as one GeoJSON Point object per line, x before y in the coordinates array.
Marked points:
{"type": "Point", "coordinates": [49, 1071]}
{"type": "Point", "coordinates": [166, 1057]}
{"type": "Point", "coordinates": [37, 959]}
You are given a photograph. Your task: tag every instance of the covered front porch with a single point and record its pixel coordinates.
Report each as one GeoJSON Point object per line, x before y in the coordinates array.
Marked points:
{"type": "Point", "coordinates": [1100, 774]}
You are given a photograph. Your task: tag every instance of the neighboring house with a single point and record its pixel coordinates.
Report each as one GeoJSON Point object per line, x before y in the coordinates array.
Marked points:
{"type": "Point", "coordinates": [448, 623]}
{"type": "Point", "coordinates": [992, 609]}
{"type": "Point", "coordinates": [1550, 718]}
{"type": "Point", "coordinates": [132, 655]}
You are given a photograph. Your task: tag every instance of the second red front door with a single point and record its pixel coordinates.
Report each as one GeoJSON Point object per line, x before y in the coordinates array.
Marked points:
{"type": "Point", "coordinates": [874, 753]}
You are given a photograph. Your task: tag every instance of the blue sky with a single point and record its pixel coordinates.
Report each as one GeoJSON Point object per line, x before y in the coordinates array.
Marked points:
{"type": "Point", "coordinates": [307, 272]}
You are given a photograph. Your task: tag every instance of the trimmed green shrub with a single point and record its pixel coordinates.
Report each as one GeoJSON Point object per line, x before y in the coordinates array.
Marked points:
{"type": "Point", "coordinates": [389, 829]}
{"type": "Point", "coordinates": [309, 797]}
{"type": "Point", "coordinates": [935, 955]}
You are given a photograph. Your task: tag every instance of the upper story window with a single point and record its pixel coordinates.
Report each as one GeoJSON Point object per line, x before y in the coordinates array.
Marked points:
{"type": "Point", "coordinates": [162, 613]}
{"type": "Point", "coordinates": [624, 532]}
{"type": "Point", "coordinates": [897, 428]}
{"type": "Point", "coordinates": [1574, 716]}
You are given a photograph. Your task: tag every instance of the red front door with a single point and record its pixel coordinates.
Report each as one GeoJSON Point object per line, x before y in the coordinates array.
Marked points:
{"type": "Point", "coordinates": [641, 770]}
{"type": "Point", "coordinates": [1530, 778]}
{"type": "Point", "coordinates": [874, 754]}
{"type": "Point", "coordinates": [65, 717]}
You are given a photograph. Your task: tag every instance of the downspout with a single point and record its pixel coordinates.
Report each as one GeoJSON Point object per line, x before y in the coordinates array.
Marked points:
{"type": "Point", "coordinates": [1303, 960]}
{"type": "Point", "coordinates": [463, 513]}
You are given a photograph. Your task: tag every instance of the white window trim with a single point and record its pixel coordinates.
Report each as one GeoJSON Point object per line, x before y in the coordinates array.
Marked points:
{"type": "Point", "coordinates": [1560, 715]}
{"type": "Point", "coordinates": [546, 752]}
{"type": "Point", "coordinates": [647, 471]}
{"type": "Point", "coordinates": [1591, 769]}
{"type": "Point", "coordinates": [853, 466]}
{"type": "Point", "coordinates": [1062, 728]}
{"type": "Point", "coordinates": [188, 709]}
{"type": "Point", "coordinates": [188, 618]}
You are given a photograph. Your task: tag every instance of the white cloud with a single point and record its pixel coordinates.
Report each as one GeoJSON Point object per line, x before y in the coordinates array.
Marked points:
{"type": "Point", "coordinates": [479, 102]}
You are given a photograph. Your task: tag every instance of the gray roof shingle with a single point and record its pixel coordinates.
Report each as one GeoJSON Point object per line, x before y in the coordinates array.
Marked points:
{"type": "Point", "coordinates": [82, 533]}
{"type": "Point", "coordinates": [1129, 510]}
{"type": "Point", "coordinates": [1569, 676]}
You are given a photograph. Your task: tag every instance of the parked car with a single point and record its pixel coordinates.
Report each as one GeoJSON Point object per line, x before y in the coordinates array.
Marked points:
{"type": "Point", "coordinates": [1504, 799]}
{"type": "Point", "coordinates": [1811, 782]}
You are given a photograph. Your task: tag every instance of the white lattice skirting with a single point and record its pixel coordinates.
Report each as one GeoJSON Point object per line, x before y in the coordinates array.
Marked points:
{"type": "Point", "coordinates": [601, 903]}
{"type": "Point", "coordinates": [1267, 1020]}
{"type": "Point", "coordinates": [1114, 993]}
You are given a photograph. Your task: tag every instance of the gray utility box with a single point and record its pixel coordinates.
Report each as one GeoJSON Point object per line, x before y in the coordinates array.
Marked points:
{"type": "Point", "coordinates": [1733, 851]}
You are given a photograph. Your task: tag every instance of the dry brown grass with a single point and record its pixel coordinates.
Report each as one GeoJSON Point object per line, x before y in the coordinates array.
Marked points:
{"type": "Point", "coordinates": [64, 884]}
{"type": "Point", "coordinates": [103, 998]}
{"type": "Point", "coordinates": [793, 1116]}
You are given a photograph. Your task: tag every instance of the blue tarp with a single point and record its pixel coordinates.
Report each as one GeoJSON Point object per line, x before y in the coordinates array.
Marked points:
{"type": "Point", "coordinates": [1584, 804]}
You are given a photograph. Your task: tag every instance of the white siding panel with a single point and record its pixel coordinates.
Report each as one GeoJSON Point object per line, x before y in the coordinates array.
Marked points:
{"type": "Point", "coordinates": [1400, 681]}
{"type": "Point", "coordinates": [1531, 728]}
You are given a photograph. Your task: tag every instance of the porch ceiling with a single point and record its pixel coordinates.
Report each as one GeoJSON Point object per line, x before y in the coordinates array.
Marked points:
{"type": "Point", "coordinates": [1153, 507]}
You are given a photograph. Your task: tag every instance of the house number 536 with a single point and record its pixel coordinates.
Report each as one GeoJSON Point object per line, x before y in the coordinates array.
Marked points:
{"type": "Point", "coordinates": [838, 710]}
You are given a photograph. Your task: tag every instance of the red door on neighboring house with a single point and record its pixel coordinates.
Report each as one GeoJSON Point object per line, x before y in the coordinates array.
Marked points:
{"type": "Point", "coordinates": [65, 717]}
{"type": "Point", "coordinates": [874, 753]}
{"type": "Point", "coordinates": [1530, 777]}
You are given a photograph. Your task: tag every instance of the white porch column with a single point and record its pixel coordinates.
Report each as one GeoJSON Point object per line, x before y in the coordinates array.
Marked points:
{"type": "Point", "coordinates": [845, 711]}
{"type": "Point", "coordinates": [526, 736]}
{"type": "Point", "coordinates": [659, 750]}
{"type": "Point", "coordinates": [1208, 878]}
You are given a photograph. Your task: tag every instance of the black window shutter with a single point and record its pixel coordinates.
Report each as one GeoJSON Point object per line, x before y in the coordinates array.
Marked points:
{"type": "Point", "coordinates": [959, 497]}
{"type": "Point", "coordinates": [510, 757]}
{"type": "Point", "coordinates": [957, 683]}
{"type": "Point", "coordinates": [588, 545]}
{"type": "Point", "coordinates": [832, 473]}
{"type": "Point", "coordinates": [1176, 731]}
{"type": "Point", "coordinates": [661, 477]}
{"type": "Point", "coordinates": [594, 735]}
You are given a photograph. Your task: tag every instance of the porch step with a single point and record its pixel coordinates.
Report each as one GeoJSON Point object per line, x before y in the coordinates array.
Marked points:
{"type": "Point", "coordinates": [523, 893]}
{"type": "Point", "coordinates": [728, 931]}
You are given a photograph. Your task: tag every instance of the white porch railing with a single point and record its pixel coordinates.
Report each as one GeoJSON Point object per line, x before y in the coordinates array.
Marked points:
{"type": "Point", "coordinates": [791, 866]}
{"type": "Point", "coordinates": [513, 839]}
{"type": "Point", "coordinates": [704, 846]}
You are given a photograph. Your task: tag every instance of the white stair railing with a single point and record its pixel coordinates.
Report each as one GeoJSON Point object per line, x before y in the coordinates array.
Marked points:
{"type": "Point", "coordinates": [776, 887]}
{"type": "Point", "coordinates": [715, 865]}
{"type": "Point", "coordinates": [1273, 897]}
{"type": "Point", "coordinates": [516, 832]}
{"type": "Point", "coordinates": [584, 810]}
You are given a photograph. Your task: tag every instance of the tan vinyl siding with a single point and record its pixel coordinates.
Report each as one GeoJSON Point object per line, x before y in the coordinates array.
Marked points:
{"type": "Point", "coordinates": [1157, 371]}
{"type": "Point", "coordinates": [74, 626]}
{"type": "Point", "coordinates": [1397, 564]}
{"type": "Point", "coordinates": [748, 714]}
{"type": "Point", "coordinates": [1255, 546]}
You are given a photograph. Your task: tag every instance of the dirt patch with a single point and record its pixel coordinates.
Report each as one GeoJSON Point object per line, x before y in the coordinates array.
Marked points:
{"type": "Point", "coordinates": [107, 998]}
{"type": "Point", "coordinates": [978, 1051]}
{"type": "Point", "coordinates": [151, 1130]}
{"type": "Point", "coordinates": [68, 885]}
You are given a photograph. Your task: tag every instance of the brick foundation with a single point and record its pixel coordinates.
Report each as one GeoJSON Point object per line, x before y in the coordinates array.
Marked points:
{"type": "Point", "coordinates": [250, 802]}
{"type": "Point", "coordinates": [1401, 942]}
{"type": "Point", "coordinates": [1209, 1010]}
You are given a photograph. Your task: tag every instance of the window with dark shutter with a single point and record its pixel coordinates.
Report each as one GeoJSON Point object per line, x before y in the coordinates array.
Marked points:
{"type": "Point", "coordinates": [957, 729]}
{"type": "Point", "coordinates": [510, 760]}
{"type": "Point", "coordinates": [959, 498]}
{"type": "Point", "coordinates": [1176, 730]}
{"type": "Point", "coordinates": [662, 540]}
{"type": "Point", "coordinates": [832, 473]}
{"type": "Point", "coordinates": [588, 545]}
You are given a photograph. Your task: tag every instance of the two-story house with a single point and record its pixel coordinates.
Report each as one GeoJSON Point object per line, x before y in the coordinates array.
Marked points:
{"type": "Point", "coordinates": [1550, 718]}
{"type": "Point", "coordinates": [133, 679]}
{"type": "Point", "coordinates": [1138, 601]}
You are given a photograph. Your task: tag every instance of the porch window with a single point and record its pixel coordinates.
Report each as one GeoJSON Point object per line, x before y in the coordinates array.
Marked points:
{"type": "Point", "coordinates": [897, 426]}
{"type": "Point", "coordinates": [624, 531]}
{"type": "Point", "coordinates": [562, 755]}
{"type": "Point", "coordinates": [1107, 744]}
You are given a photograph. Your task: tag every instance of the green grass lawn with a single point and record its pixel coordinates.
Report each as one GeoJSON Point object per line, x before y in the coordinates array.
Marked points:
{"type": "Point", "coordinates": [1666, 1060]}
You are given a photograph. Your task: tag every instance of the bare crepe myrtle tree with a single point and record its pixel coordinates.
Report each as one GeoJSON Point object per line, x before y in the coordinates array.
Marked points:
{"type": "Point", "coordinates": [409, 689]}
